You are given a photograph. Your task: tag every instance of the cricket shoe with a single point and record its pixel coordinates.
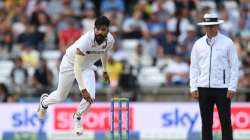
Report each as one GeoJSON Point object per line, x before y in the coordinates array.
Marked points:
{"type": "Point", "coordinates": [41, 111]}
{"type": "Point", "coordinates": [78, 129]}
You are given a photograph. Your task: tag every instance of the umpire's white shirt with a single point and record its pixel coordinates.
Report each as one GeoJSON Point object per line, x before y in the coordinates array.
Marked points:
{"type": "Point", "coordinates": [214, 63]}
{"type": "Point", "coordinates": [87, 44]}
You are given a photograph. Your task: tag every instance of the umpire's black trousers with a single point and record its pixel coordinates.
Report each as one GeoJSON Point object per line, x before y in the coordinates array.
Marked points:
{"type": "Point", "coordinates": [208, 97]}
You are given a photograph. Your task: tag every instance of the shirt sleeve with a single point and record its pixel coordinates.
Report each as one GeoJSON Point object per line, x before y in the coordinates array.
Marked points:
{"type": "Point", "coordinates": [104, 60]}
{"type": "Point", "coordinates": [111, 42]}
{"type": "Point", "coordinates": [194, 69]}
{"type": "Point", "coordinates": [104, 57]}
{"type": "Point", "coordinates": [84, 42]}
{"type": "Point", "coordinates": [126, 25]}
{"type": "Point", "coordinates": [77, 71]}
{"type": "Point", "coordinates": [234, 67]}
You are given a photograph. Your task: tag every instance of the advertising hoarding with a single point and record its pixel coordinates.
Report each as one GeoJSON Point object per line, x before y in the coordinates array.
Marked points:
{"type": "Point", "coordinates": [150, 120]}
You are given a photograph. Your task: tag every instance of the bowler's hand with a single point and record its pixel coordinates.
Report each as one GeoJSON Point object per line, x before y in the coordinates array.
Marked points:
{"type": "Point", "coordinates": [230, 94]}
{"type": "Point", "coordinates": [86, 96]}
{"type": "Point", "coordinates": [195, 94]}
{"type": "Point", "coordinates": [106, 77]}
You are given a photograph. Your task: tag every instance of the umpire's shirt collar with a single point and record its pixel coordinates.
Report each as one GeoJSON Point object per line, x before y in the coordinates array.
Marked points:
{"type": "Point", "coordinates": [211, 41]}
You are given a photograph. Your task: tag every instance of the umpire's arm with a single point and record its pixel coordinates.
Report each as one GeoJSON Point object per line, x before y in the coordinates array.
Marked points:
{"type": "Point", "coordinates": [194, 69]}
{"type": "Point", "coordinates": [234, 67]}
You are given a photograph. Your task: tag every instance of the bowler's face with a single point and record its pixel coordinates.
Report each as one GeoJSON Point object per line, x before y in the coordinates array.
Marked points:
{"type": "Point", "coordinates": [101, 33]}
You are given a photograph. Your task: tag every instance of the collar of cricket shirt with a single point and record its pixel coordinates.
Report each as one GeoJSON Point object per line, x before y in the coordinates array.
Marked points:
{"type": "Point", "coordinates": [103, 45]}
{"type": "Point", "coordinates": [211, 41]}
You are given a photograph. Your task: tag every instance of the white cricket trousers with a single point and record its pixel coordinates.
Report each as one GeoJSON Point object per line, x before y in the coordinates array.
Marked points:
{"type": "Point", "coordinates": [66, 79]}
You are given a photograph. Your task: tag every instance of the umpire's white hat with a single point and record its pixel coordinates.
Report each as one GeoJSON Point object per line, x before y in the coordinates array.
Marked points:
{"type": "Point", "coordinates": [210, 19]}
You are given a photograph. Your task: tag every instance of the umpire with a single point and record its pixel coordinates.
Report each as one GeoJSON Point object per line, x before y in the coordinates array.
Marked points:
{"type": "Point", "coordinates": [214, 76]}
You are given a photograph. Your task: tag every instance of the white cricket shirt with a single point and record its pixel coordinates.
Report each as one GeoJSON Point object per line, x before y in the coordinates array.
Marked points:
{"type": "Point", "coordinates": [214, 63]}
{"type": "Point", "coordinates": [92, 50]}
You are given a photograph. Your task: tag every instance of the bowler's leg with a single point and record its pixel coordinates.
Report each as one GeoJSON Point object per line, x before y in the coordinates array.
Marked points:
{"type": "Point", "coordinates": [88, 76]}
{"type": "Point", "coordinates": [65, 83]}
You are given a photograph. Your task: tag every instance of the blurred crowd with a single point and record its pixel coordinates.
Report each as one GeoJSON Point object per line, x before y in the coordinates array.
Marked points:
{"type": "Point", "coordinates": [154, 39]}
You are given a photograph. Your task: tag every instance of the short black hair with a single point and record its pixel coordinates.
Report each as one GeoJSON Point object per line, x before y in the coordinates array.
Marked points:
{"type": "Point", "coordinates": [102, 21]}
